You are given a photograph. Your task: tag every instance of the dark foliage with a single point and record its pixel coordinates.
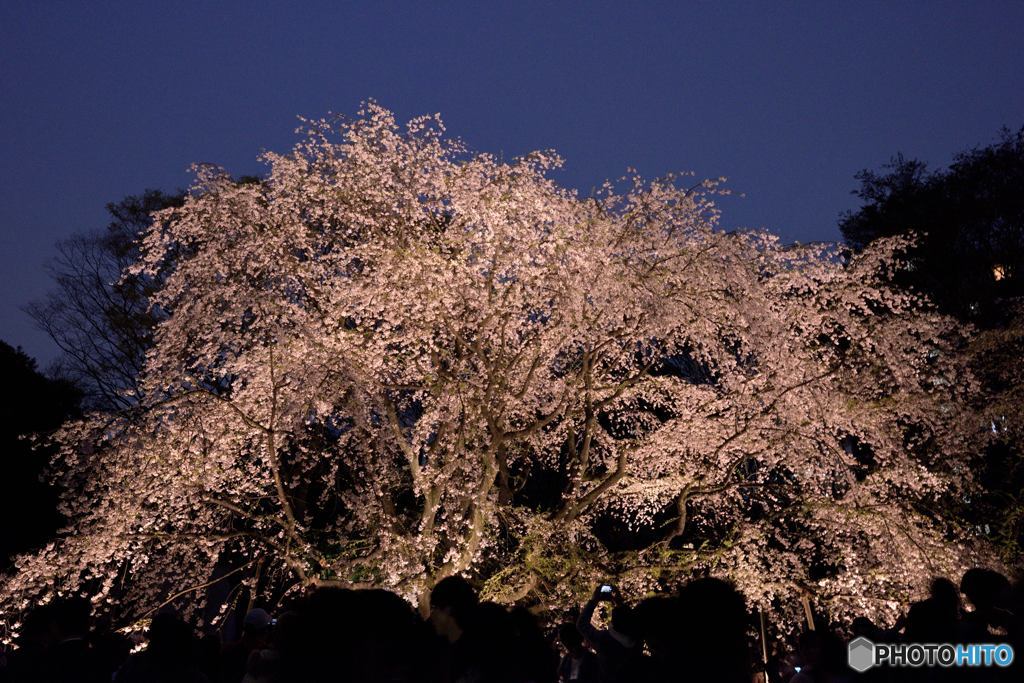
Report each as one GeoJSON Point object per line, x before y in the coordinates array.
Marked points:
{"type": "Point", "coordinates": [98, 315]}
{"type": "Point", "coordinates": [970, 217]}
{"type": "Point", "coordinates": [36, 405]}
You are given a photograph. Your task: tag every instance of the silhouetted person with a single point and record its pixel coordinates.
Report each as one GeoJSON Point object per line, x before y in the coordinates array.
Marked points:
{"type": "Point", "coordinates": [935, 619]}
{"type": "Point", "coordinates": [70, 656]}
{"type": "Point", "coordinates": [617, 648]}
{"type": "Point", "coordinates": [538, 662]}
{"type": "Point", "coordinates": [810, 654]}
{"type": "Point", "coordinates": [655, 620]}
{"type": "Point", "coordinates": [822, 658]}
{"type": "Point", "coordinates": [208, 651]}
{"type": "Point", "coordinates": [169, 656]}
{"type": "Point", "coordinates": [578, 663]}
{"type": "Point", "coordinates": [234, 657]}
{"type": "Point", "coordinates": [988, 592]}
{"type": "Point", "coordinates": [454, 614]}
{"type": "Point", "coordinates": [452, 605]}
{"type": "Point", "coordinates": [946, 596]}
{"type": "Point", "coordinates": [265, 665]}
{"type": "Point", "coordinates": [487, 649]}
{"type": "Point", "coordinates": [389, 640]}
{"type": "Point", "coordinates": [360, 636]}
{"type": "Point", "coordinates": [862, 626]}
{"type": "Point", "coordinates": [710, 634]}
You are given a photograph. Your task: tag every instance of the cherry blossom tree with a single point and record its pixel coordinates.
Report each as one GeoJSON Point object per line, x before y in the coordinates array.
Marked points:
{"type": "Point", "coordinates": [392, 361]}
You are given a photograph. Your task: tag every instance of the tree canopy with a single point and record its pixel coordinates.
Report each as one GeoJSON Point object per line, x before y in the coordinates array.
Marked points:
{"type": "Point", "coordinates": [391, 361]}
{"type": "Point", "coordinates": [969, 258]}
{"type": "Point", "coordinates": [98, 315]}
{"type": "Point", "coordinates": [970, 218]}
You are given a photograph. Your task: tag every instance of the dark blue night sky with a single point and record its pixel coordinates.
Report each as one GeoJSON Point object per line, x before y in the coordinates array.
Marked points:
{"type": "Point", "coordinates": [99, 100]}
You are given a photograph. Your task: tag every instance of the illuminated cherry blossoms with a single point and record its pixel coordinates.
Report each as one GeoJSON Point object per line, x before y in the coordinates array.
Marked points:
{"type": "Point", "coordinates": [392, 360]}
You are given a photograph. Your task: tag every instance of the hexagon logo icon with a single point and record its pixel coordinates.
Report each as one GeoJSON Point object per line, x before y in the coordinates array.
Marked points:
{"type": "Point", "coordinates": [860, 654]}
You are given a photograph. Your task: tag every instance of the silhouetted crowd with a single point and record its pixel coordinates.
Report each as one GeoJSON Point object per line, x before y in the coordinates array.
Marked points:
{"type": "Point", "coordinates": [702, 633]}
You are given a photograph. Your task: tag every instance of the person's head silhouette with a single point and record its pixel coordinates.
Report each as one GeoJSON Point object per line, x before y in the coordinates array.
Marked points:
{"type": "Point", "coordinates": [256, 627]}
{"type": "Point", "coordinates": [985, 588]}
{"type": "Point", "coordinates": [452, 604]}
{"type": "Point", "coordinates": [711, 630]}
